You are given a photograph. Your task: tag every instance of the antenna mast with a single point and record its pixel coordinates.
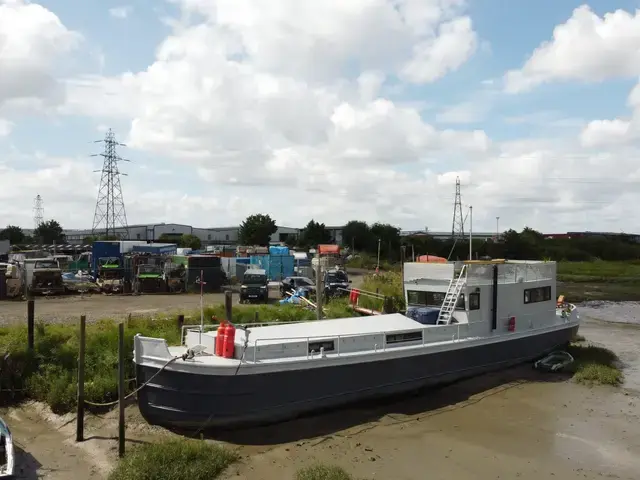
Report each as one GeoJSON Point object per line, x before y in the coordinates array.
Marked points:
{"type": "Point", "coordinates": [38, 211]}
{"type": "Point", "coordinates": [110, 212]}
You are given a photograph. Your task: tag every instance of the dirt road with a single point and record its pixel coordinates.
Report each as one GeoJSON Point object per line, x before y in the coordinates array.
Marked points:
{"type": "Point", "coordinates": [98, 306]}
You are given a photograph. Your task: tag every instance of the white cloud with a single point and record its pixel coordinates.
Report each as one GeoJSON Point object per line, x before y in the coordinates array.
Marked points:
{"type": "Point", "coordinates": [32, 38]}
{"type": "Point", "coordinates": [291, 108]}
{"type": "Point", "coordinates": [586, 48]}
{"type": "Point", "coordinates": [121, 12]}
{"type": "Point", "coordinates": [5, 127]}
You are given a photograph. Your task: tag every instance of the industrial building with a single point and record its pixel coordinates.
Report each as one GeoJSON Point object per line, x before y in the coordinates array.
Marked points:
{"type": "Point", "coordinates": [152, 232]}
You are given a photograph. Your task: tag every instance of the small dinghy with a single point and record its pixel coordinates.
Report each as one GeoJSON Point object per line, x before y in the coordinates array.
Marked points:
{"type": "Point", "coordinates": [554, 362]}
{"type": "Point", "coordinates": [6, 451]}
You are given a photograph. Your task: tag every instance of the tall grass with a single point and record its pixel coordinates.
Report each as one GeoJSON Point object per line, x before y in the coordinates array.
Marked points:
{"type": "Point", "coordinates": [322, 472]}
{"type": "Point", "coordinates": [176, 459]}
{"type": "Point", "coordinates": [49, 374]}
{"type": "Point", "coordinates": [388, 284]}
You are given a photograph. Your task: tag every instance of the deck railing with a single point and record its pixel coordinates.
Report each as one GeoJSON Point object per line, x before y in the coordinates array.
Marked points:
{"type": "Point", "coordinates": [426, 331]}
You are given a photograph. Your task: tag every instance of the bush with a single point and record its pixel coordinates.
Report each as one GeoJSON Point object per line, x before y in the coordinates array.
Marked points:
{"type": "Point", "coordinates": [388, 284]}
{"type": "Point", "coordinates": [322, 472]}
{"type": "Point", "coordinates": [176, 459]}
{"type": "Point", "coordinates": [595, 365]}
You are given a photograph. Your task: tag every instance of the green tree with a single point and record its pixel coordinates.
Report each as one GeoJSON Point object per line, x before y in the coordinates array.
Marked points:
{"type": "Point", "coordinates": [389, 237]}
{"type": "Point", "coordinates": [14, 234]}
{"type": "Point", "coordinates": [190, 241]}
{"type": "Point", "coordinates": [49, 232]}
{"type": "Point", "coordinates": [314, 234]}
{"type": "Point", "coordinates": [257, 230]}
{"type": "Point", "coordinates": [357, 235]}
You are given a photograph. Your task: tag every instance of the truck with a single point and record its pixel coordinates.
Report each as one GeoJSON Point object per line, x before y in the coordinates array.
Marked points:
{"type": "Point", "coordinates": [43, 276]}
{"type": "Point", "coordinates": [110, 276]}
{"type": "Point", "coordinates": [148, 274]}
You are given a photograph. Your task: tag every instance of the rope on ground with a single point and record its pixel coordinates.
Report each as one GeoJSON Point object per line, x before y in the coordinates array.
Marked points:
{"type": "Point", "coordinates": [111, 404]}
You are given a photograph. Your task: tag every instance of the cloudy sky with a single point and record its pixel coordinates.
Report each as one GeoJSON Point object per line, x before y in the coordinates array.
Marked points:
{"type": "Point", "coordinates": [334, 109]}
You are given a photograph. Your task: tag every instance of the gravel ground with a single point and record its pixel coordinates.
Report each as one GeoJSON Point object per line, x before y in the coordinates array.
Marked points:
{"type": "Point", "coordinates": [97, 306]}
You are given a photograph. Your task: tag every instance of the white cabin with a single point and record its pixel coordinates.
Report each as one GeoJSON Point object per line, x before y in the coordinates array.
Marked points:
{"type": "Point", "coordinates": [524, 289]}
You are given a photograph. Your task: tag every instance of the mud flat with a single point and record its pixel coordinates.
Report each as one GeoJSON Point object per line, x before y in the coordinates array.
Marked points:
{"type": "Point", "coordinates": [514, 424]}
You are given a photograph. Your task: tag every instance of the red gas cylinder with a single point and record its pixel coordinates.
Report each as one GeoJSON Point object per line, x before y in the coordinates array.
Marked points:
{"type": "Point", "coordinates": [512, 324]}
{"type": "Point", "coordinates": [229, 341]}
{"type": "Point", "coordinates": [220, 339]}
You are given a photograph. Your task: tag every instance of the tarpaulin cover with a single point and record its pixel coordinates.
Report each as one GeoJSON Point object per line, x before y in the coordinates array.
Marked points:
{"type": "Point", "coordinates": [430, 259]}
{"type": "Point", "coordinates": [328, 249]}
{"type": "Point", "coordinates": [277, 250]}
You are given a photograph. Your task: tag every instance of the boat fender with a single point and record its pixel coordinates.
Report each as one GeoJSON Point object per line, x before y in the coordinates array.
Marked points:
{"type": "Point", "coordinates": [512, 324]}
{"type": "Point", "coordinates": [228, 348]}
{"type": "Point", "coordinates": [220, 339]}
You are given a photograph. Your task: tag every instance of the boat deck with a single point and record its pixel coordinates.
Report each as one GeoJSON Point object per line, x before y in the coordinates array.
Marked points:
{"type": "Point", "coordinates": [343, 327]}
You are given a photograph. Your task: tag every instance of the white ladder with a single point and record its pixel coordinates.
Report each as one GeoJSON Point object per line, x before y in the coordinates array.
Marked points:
{"type": "Point", "coordinates": [451, 298]}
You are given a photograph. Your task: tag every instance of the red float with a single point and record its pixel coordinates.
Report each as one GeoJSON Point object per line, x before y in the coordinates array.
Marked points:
{"type": "Point", "coordinates": [512, 324]}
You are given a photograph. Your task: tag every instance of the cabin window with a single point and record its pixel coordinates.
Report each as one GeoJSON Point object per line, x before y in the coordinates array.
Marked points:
{"type": "Point", "coordinates": [404, 337]}
{"type": "Point", "coordinates": [474, 301]}
{"type": "Point", "coordinates": [535, 295]}
{"type": "Point", "coordinates": [314, 347]}
{"type": "Point", "coordinates": [418, 298]}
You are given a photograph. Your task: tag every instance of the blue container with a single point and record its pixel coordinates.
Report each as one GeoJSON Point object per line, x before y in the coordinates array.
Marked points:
{"type": "Point", "coordinates": [281, 266]}
{"type": "Point", "coordinates": [424, 315]}
{"type": "Point", "coordinates": [261, 261]}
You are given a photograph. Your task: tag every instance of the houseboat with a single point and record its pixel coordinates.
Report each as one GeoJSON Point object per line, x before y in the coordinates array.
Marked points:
{"type": "Point", "coordinates": [463, 319]}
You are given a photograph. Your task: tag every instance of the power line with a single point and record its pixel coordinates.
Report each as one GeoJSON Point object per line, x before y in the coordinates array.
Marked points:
{"type": "Point", "coordinates": [110, 212]}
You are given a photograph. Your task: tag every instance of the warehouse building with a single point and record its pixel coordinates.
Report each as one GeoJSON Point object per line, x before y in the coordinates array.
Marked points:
{"type": "Point", "coordinates": [152, 232]}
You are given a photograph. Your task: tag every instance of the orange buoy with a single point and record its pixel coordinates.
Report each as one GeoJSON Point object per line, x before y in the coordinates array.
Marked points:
{"type": "Point", "coordinates": [229, 346]}
{"type": "Point", "coordinates": [220, 339]}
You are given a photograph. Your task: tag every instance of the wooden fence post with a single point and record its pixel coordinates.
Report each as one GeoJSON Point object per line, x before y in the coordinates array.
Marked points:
{"type": "Point", "coordinates": [121, 391]}
{"type": "Point", "coordinates": [30, 324]}
{"type": "Point", "coordinates": [81, 353]}
{"type": "Point", "coordinates": [228, 305]}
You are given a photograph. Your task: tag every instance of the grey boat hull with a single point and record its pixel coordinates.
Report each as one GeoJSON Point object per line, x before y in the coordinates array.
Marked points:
{"type": "Point", "coordinates": [196, 401]}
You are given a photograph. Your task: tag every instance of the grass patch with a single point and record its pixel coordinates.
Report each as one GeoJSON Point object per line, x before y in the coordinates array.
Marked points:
{"type": "Point", "coordinates": [49, 374]}
{"type": "Point", "coordinates": [322, 472]}
{"type": "Point", "coordinates": [598, 270]}
{"type": "Point", "coordinates": [595, 365]}
{"type": "Point", "coordinates": [176, 459]}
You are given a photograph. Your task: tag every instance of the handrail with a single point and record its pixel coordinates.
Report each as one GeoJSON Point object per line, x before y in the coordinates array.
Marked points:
{"type": "Point", "coordinates": [379, 296]}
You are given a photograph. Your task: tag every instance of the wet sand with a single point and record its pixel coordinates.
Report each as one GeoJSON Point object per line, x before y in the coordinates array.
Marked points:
{"type": "Point", "coordinates": [514, 424]}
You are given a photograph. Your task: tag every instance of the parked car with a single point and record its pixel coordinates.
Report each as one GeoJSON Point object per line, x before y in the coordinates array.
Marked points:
{"type": "Point", "coordinates": [255, 286]}
{"type": "Point", "coordinates": [336, 283]}
{"type": "Point", "coordinates": [290, 284]}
